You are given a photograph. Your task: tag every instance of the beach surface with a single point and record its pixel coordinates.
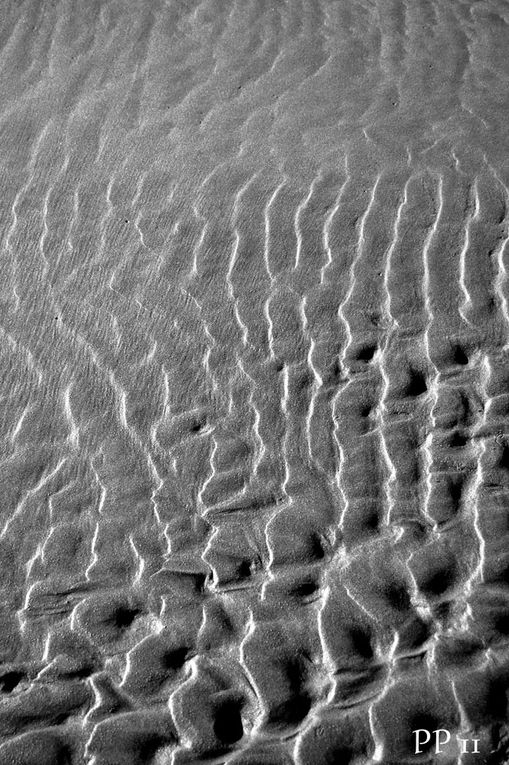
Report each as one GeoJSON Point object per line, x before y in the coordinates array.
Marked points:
{"type": "Point", "coordinates": [254, 363]}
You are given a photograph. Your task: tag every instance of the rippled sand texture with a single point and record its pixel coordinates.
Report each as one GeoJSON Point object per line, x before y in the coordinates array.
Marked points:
{"type": "Point", "coordinates": [255, 381]}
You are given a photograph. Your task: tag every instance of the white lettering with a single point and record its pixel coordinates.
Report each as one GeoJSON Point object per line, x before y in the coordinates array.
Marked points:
{"type": "Point", "coordinates": [439, 743]}
{"type": "Point", "coordinates": [417, 743]}
{"type": "Point", "coordinates": [442, 737]}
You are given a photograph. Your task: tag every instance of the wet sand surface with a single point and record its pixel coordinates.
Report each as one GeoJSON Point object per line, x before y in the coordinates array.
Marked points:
{"type": "Point", "coordinates": [255, 381]}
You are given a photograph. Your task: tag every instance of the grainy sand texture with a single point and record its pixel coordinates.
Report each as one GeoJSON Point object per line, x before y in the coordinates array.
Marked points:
{"type": "Point", "coordinates": [254, 363]}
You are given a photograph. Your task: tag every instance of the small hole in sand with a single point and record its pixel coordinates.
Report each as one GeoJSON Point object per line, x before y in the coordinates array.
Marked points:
{"type": "Point", "coordinates": [366, 353]}
{"type": "Point", "coordinates": [175, 659]}
{"type": "Point", "coordinates": [228, 723]}
{"type": "Point", "coordinates": [416, 383]}
{"type": "Point", "coordinates": [458, 439]}
{"type": "Point", "coordinates": [459, 355]}
{"type": "Point", "coordinates": [10, 680]}
{"type": "Point", "coordinates": [125, 616]}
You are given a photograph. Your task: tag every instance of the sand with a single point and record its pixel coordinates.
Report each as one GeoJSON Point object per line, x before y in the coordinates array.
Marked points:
{"type": "Point", "coordinates": [254, 336]}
